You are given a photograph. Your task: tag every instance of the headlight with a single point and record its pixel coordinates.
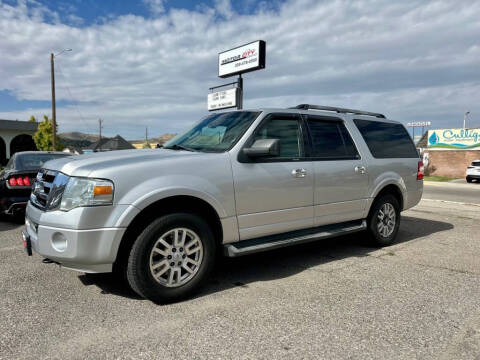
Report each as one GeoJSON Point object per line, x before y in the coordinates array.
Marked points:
{"type": "Point", "coordinates": [86, 192]}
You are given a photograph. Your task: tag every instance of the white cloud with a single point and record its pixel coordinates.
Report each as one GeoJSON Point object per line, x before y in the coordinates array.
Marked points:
{"type": "Point", "coordinates": [411, 60]}
{"type": "Point", "coordinates": [224, 8]}
{"type": "Point", "coordinates": [74, 20]}
{"type": "Point", "coordinates": [155, 6]}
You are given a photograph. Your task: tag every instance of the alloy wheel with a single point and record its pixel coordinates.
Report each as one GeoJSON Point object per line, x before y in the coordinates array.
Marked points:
{"type": "Point", "coordinates": [176, 257]}
{"type": "Point", "coordinates": [386, 219]}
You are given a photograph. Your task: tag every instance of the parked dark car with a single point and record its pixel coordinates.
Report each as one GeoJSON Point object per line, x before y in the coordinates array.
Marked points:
{"type": "Point", "coordinates": [18, 176]}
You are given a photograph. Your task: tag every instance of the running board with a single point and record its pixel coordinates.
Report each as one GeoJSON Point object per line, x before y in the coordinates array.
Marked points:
{"type": "Point", "coordinates": [251, 246]}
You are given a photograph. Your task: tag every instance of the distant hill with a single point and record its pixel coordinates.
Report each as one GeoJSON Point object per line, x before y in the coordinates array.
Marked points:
{"type": "Point", "coordinates": [156, 140]}
{"type": "Point", "coordinates": [77, 139]}
{"type": "Point", "coordinates": [81, 140]}
{"type": "Point", "coordinates": [79, 136]}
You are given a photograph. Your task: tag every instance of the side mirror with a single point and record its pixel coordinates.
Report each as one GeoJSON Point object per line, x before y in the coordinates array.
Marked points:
{"type": "Point", "coordinates": [263, 147]}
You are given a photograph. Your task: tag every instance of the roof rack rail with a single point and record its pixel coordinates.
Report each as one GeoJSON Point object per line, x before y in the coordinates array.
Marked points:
{"type": "Point", "coordinates": [338, 110]}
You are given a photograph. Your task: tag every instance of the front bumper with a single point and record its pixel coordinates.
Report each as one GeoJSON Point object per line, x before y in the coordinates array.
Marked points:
{"type": "Point", "coordinates": [82, 250]}
{"type": "Point", "coordinates": [83, 239]}
{"type": "Point", "coordinates": [473, 176]}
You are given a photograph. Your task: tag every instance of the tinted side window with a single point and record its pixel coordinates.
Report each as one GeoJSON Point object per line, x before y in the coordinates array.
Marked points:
{"type": "Point", "coordinates": [331, 140]}
{"type": "Point", "coordinates": [386, 140]}
{"type": "Point", "coordinates": [287, 131]}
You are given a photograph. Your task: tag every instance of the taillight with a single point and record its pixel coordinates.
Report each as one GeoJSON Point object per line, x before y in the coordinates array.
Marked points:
{"type": "Point", "coordinates": [19, 181]}
{"type": "Point", "coordinates": [420, 171]}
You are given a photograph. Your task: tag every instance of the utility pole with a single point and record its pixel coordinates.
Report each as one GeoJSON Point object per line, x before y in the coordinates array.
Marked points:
{"type": "Point", "coordinates": [100, 126]}
{"type": "Point", "coordinates": [54, 115]}
{"type": "Point", "coordinates": [146, 135]}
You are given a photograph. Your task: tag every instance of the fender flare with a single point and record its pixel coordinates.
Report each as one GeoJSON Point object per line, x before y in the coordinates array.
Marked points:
{"type": "Point", "coordinates": [396, 181]}
{"type": "Point", "coordinates": [160, 194]}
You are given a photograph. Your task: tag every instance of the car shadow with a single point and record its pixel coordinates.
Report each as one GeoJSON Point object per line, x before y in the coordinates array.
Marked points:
{"type": "Point", "coordinates": [109, 283]}
{"type": "Point", "coordinates": [282, 263]}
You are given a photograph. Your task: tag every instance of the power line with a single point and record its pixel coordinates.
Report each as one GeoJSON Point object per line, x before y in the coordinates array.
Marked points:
{"type": "Point", "coordinates": [74, 102]}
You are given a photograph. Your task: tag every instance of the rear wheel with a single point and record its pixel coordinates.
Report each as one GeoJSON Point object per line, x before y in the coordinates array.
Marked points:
{"type": "Point", "coordinates": [171, 258]}
{"type": "Point", "coordinates": [469, 179]}
{"type": "Point", "coordinates": [384, 220]}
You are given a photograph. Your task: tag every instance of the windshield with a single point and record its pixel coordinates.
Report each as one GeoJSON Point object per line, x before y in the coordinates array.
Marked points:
{"type": "Point", "coordinates": [215, 133]}
{"type": "Point", "coordinates": [35, 161]}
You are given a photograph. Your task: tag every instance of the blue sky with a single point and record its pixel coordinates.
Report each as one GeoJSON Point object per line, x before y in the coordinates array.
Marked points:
{"type": "Point", "coordinates": [90, 12]}
{"type": "Point", "coordinates": [149, 63]}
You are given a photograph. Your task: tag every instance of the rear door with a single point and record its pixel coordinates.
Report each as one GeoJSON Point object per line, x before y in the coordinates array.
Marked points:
{"type": "Point", "coordinates": [275, 194]}
{"type": "Point", "coordinates": [341, 178]}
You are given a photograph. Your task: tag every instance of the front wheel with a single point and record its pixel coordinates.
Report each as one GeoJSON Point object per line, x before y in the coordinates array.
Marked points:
{"type": "Point", "coordinates": [384, 220]}
{"type": "Point", "coordinates": [171, 258]}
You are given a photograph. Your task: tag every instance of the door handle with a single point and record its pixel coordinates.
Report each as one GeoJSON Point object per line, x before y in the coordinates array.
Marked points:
{"type": "Point", "coordinates": [360, 169]}
{"type": "Point", "coordinates": [299, 173]}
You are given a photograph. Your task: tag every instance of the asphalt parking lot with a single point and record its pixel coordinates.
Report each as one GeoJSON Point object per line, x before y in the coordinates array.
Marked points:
{"type": "Point", "coordinates": [337, 298]}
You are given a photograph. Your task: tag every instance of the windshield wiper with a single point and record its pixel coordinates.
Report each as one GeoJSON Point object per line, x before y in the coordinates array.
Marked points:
{"type": "Point", "coordinates": [178, 147]}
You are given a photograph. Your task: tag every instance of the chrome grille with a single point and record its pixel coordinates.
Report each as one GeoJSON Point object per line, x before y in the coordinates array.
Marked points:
{"type": "Point", "coordinates": [48, 189]}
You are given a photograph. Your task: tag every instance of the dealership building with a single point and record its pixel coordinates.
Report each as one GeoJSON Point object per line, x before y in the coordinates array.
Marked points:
{"type": "Point", "coordinates": [448, 152]}
{"type": "Point", "coordinates": [16, 136]}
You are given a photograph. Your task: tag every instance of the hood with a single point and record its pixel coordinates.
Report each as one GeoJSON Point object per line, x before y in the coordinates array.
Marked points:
{"type": "Point", "coordinates": [84, 165]}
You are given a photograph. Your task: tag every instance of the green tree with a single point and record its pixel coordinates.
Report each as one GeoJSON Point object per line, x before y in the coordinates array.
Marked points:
{"type": "Point", "coordinates": [44, 134]}
{"type": "Point", "coordinates": [32, 119]}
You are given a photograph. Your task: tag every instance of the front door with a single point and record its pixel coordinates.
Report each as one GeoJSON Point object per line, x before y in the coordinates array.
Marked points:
{"type": "Point", "coordinates": [275, 194]}
{"type": "Point", "coordinates": [341, 178]}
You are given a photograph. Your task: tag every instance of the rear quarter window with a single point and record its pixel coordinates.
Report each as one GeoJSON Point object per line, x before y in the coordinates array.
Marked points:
{"type": "Point", "coordinates": [386, 140]}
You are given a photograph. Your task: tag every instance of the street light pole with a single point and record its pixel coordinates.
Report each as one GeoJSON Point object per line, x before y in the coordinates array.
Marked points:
{"type": "Point", "coordinates": [465, 119]}
{"type": "Point", "coordinates": [240, 89]}
{"type": "Point", "coordinates": [54, 115]}
{"type": "Point", "coordinates": [54, 112]}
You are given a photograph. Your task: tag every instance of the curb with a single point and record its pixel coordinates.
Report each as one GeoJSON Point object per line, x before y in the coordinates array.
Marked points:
{"type": "Point", "coordinates": [451, 202]}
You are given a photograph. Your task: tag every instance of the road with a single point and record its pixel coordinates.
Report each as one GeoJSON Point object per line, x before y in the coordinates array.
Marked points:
{"type": "Point", "coordinates": [334, 299]}
{"type": "Point", "coordinates": [458, 192]}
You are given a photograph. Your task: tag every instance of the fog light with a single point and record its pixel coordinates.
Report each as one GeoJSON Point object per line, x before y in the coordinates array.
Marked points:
{"type": "Point", "coordinates": [59, 242]}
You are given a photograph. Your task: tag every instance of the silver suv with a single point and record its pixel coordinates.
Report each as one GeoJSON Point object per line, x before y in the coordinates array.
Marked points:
{"type": "Point", "coordinates": [240, 182]}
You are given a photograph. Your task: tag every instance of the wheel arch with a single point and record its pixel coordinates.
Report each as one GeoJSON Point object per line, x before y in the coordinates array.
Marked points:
{"type": "Point", "coordinates": [176, 203]}
{"type": "Point", "coordinates": [392, 189]}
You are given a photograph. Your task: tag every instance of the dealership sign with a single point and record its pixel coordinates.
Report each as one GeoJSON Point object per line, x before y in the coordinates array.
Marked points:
{"type": "Point", "coordinates": [222, 99]}
{"type": "Point", "coordinates": [458, 139]}
{"type": "Point", "coordinates": [419, 124]}
{"type": "Point", "coordinates": [242, 59]}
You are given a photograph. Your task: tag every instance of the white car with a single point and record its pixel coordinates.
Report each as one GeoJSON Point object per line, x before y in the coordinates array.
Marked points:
{"type": "Point", "coordinates": [473, 171]}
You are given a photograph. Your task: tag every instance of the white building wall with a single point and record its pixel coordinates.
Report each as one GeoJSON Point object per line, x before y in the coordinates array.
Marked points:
{"type": "Point", "coordinates": [9, 135]}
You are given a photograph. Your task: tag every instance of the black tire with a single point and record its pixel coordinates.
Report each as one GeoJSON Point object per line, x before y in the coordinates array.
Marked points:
{"type": "Point", "coordinates": [469, 179]}
{"type": "Point", "coordinates": [377, 238]}
{"type": "Point", "coordinates": [139, 273]}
